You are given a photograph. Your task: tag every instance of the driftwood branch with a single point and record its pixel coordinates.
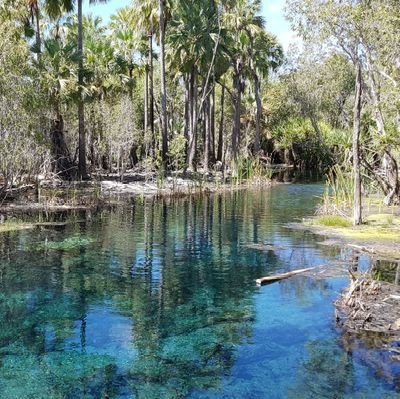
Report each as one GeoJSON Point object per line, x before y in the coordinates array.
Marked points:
{"type": "Point", "coordinates": [281, 276]}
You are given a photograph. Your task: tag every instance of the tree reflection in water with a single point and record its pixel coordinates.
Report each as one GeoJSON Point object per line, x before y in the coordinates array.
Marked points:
{"type": "Point", "coordinates": [151, 300]}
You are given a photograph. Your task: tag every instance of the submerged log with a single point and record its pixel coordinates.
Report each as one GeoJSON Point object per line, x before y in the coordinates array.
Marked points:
{"type": "Point", "coordinates": [265, 247]}
{"type": "Point", "coordinates": [281, 276]}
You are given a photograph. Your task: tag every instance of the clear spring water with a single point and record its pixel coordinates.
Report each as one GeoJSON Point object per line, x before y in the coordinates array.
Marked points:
{"type": "Point", "coordinates": [157, 299]}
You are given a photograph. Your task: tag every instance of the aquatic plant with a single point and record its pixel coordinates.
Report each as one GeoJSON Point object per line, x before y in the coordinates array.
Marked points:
{"type": "Point", "coordinates": [66, 244]}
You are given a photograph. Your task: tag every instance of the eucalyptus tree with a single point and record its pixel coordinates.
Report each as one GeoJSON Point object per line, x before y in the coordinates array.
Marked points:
{"type": "Point", "coordinates": [320, 86]}
{"type": "Point", "coordinates": [339, 24]}
{"type": "Point", "coordinates": [21, 153]}
{"type": "Point", "coordinates": [382, 65]}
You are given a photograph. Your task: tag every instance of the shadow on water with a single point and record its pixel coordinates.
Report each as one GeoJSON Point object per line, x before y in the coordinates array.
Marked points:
{"type": "Point", "coordinates": [157, 299]}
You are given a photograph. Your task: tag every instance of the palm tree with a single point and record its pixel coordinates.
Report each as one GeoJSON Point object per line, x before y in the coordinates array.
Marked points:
{"type": "Point", "coordinates": [145, 20]}
{"type": "Point", "coordinates": [164, 115]}
{"type": "Point", "coordinates": [56, 73]}
{"type": "Point", "coordinates": [125, 42]}
{"type": "Point", "coordinates": [57, 76]}
{"type": "Point", "coordinates": [240, 17]}
{"type": "Point", "coordinates": [34, 13]}
{"type": "Point", "coordinates": [264, 54]}
{"type": "Point", "coordinates": [128, 44]}
{"type": "Point", "coordinates": [82, 172]}
{"type": "Point", "coordinates": [53, 8]}
{"type": "Point", "coordinates": [192, 39]}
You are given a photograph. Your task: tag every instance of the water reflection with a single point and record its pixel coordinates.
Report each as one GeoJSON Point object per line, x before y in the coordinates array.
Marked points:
{"type": "Point", "coordinates": [158, 299]}
{"type": "Point", "coordinates": [386, 270]}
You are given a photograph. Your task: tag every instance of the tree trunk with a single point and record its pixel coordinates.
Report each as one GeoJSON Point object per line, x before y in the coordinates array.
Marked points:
{"type": "Point", "coordinates": [164, 115]}
{"type": "Point", "coordinates": [81, 110]}
{"type": "Point", "coordinates": [375, 95]}
{"type": "Point", "coordinates": [212, 126]}
{"type": "Point", "coordinates": [237, 84]}
{"type": "Point", "coordinates": [186, 117]}
{"type": "Point", "coordinates": [60, 153]}
{"type": "Point", "coordinates": [207, 132]}
{"type": "Point", "coordinates": [193, 119]}
{"type": "Point", "coordinates": [357, 217]}
{"type": "Point", "coordinates": [221, 126]}
{"type": "Point", "coordinates": [151, 89]}
{"type": "Point", "coordinates": [146, 102]}
{"type": "Point", "coordinates": [390, 168]}
{"type": "Point", "coordinates": [190, 88]}
{"type": "Point", "coordinates": [388, 162]}
{"type": "Point", "coordinates": [257, 136]}
{"type": "Point", "coordinates": [315, 126]}
{"type": "Point", "coordinates": [38, 36]}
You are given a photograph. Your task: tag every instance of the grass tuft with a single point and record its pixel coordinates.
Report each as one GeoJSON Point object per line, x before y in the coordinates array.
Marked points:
{"type": "Point", "coordinates": [332, 220]}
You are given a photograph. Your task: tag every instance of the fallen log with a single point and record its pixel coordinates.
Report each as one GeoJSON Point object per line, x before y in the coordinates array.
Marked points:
{"type": "Point", "coordinates": [362, 248]}
{"type": "Point", "coordinates": [281, 276]}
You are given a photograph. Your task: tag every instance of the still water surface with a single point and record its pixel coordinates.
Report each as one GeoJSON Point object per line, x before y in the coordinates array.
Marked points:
{"type": "Point", "coordinates": [157, 300]}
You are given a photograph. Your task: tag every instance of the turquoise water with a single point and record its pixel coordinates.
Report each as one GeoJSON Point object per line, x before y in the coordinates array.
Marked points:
{"type": "Point", "coordinates": [157, 299]}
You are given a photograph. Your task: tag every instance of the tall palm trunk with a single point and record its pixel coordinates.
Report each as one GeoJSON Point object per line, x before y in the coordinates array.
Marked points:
{"type": "Point", "coordinates": [221, 126]}
{"type": "Point", "coordinates": [193, 119]}
{"type": "Point", "coordinates": [146, 102]}
{"type": "Point", "coordinates": [81, 111]}
{"type": "Point", "coordinates": [151, 91]}
{"type": "Point", "coordinates": [164, 116]}
{"type": "Point", "coordinates": [357, 217]}
{"type": "Point", "coordinates": [60, 153]}
{"type": "Point", "coordinates": [186, 117]}
{"type": "Point", "coordinates": [237, 84]}
{"type": "Point", "coordinates": [257, 136]}
{"type": "Point", "coordinates": [212, 127]}
{"type": "Point", "coordinates": [257, 89]}
{"type": "Point", "coordinates": [37, 33]}
{"type": "Point", "coordinates": [207, 131]}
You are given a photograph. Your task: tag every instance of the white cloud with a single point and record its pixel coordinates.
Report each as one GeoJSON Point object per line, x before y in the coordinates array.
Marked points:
{"type": "Point", "coordinates": [274, 7]}
{"type": "Point", "coordinates": [288, 39]}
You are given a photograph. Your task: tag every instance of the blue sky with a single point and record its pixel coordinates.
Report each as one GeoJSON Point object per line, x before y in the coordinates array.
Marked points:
{"type": "Point", "coordinates": [273, 10]}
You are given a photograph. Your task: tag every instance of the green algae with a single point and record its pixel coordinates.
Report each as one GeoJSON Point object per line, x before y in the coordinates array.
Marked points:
{"type": "Point", "coordinates": [67, 244]}
{"type": "Point", "coordinates": [371, 233]}
{"type": "Point", "coordinates": [378, 228]}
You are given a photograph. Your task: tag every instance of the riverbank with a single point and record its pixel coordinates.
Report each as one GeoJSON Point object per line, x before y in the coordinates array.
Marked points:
{"type": "Point", "coordinates": [379, 236]}
{"type": "Point", "coordinates": [104, 189]}
{"type": "Point", "coordinates": [368, 310]}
